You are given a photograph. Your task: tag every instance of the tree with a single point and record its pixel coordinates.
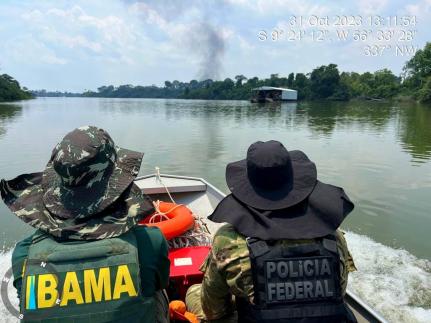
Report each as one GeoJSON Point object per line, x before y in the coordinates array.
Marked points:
{"type": "Point", "coordinates": [420, 64]}
{"type": "Point", "coordinates": [176, 84]}
{"type": "Point", "coordinates": [253, 81]}
{"type": "Point", "coordinates": [417, 72]}
{"type": "Point", "coordinates": [194, 84]}
{"type": "Point", "coordinates": [239, 79]}
{"type": "Point", "coordinates": [341, 92]}
{"type": "Point", "coordinates": [10, 90]}
{"type": "Point", "coordinates": [367, 78]}
{"type": "Point", "coordinates": [385, 84]}
{"type": "Point", "coordinates": [228, 83]}
{"type": "Point", "coordinates": [290, 80]}
{"type": "Point", "coordinates": [301, 81]}
{"type": "Point", "coordinates": [424, 94]}
{"type": "Point", "coordinates": [324, 80]}
{"type": "Point", "coordinates": [168, 84]}
{"type": "Point", "coordinates": [301, 84]}
{"type": "Point", "coordinates": [207, 83]}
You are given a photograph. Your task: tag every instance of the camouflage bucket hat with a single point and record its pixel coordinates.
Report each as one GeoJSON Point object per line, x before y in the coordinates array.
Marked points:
{"type": "Point", "coordinates": [87, 173]}
{"type": "Point", "coordinates": [23, 195]}
{"type": "Point", "coordinates": [85, 192]}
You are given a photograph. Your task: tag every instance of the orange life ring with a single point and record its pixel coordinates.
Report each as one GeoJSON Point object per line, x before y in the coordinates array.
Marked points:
{"type": "Point", "coordinates": [180, 219]}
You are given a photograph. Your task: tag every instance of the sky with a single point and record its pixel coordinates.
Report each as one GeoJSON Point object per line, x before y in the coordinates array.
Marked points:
{"type": "Point", "coordinates": [81, 45]}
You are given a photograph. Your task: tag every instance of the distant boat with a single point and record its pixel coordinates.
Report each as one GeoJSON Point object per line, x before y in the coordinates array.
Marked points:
{"type": "Point", "coordinates": [266, 94]}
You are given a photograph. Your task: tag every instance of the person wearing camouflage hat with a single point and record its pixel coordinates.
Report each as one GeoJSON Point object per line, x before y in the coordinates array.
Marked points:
{"type": "Point", "coordinates": [98, 264]}
{"type": "Point", "coordinates": [280, 257]}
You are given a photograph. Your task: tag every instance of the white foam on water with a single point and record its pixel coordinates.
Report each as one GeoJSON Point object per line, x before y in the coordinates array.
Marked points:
{"type": "Point", "coordinates": [393, 281]}
{"type": "Point", "coordinates": [5, 264]}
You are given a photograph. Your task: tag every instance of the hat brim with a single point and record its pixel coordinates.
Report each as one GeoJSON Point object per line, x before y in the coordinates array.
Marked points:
{"type": "Point", "coordinates": [23, 196]}
{"type": "Point", "coordinates": [319, 215]}
{"type": "Point", "coordinates": [82, 201]}
{"type": "Point", "coordinates": [304, 177]}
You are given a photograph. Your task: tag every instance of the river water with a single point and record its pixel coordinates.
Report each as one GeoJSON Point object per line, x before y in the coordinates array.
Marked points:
{"type": "Point", "coordinates": [380, 153]}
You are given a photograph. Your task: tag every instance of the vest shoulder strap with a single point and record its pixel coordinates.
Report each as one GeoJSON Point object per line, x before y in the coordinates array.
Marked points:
{"type": "Point", "coordinates": [39, 236]}
{"type": "Point", "coordinates": [256, 247]}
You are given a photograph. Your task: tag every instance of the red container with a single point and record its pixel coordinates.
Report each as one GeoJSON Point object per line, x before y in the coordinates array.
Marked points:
{"type": "Point", "coordinates": [184, 270]}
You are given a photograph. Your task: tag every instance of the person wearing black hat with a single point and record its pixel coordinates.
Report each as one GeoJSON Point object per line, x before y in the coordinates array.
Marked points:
{"type": "Point", "coordinates": [280, 256]}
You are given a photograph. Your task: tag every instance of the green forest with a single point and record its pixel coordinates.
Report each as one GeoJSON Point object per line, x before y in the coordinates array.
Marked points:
{"type": "Point", "coordinates": [10, 90]}
{"type": "Point", "coordinates": [324, 82]}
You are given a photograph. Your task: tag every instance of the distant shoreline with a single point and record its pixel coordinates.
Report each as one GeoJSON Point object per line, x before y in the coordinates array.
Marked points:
{"type": "Point", "coordinates": [400, 98]}
{"type": "Point", "coordinates": [323, 83]}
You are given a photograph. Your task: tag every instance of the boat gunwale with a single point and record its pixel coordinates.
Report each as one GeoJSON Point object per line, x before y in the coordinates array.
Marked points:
{"type": "Point", "coordinates": [349, 294]}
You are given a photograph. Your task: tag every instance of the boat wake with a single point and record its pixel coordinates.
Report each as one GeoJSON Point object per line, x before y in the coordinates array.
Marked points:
{"type": "Point", "coordinates": [5, 264]}
{"type": "Point", "coordinates": [392, 281]}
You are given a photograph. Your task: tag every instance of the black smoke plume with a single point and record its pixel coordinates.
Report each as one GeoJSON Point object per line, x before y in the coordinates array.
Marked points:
{"type": "Point", "coordinates": [202, 38]}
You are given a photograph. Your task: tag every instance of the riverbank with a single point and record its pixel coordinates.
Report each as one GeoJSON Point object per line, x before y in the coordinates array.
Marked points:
{"type": "Point", "coordinates": [323, 82]}
{"type": "Point", "coordinates": [398, 99]}
{"type": "Point", "coordinates": [10, 90]}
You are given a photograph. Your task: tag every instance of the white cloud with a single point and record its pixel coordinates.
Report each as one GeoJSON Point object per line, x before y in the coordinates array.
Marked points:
{"type": "Point", "coordinates": [72, 28]}
{"type": "Point", "coordinates": [294, 7]}
{"type": "Point", "coordinates": [28, 50]}
{"type": "Point", "coordinates": [244, 44]}
{"type": "Point", "coordinates": [371, 6]}
{"type": "Point", "coordinates": [420, 9]}
{"type": "Point", "coordinates": [34, 15]}
{"type": "Point", "coordinates": [80, 41]}
{"type": "Point", "coordinates": [52, 59]}
{"type": "Point", "coordinates": [109, 30]}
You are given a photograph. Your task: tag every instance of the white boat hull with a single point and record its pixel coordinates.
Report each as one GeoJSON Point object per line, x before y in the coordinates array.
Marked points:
{"type": "Point", "coordinates": [202, 198]}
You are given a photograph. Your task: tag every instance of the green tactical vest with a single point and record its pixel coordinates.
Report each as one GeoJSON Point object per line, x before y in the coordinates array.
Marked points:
{"type": "Point", "coordinates": [96, 281]}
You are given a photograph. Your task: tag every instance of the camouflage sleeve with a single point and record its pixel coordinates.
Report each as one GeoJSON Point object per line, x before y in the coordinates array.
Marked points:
{"type": "Point", "coordinates": [346, 265]}
{"type": "Point", "coordinates": [227, 271]}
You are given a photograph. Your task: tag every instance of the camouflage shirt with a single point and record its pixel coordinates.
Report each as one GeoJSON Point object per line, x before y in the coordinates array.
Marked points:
{"type": "Point", "coordinates": [228, 271]}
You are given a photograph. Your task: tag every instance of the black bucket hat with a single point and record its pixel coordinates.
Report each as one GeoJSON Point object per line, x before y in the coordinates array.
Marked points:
{"type": "Point", "coordinates": [271, 178]}
{"type": "Point", "coordinates": [276, 195]}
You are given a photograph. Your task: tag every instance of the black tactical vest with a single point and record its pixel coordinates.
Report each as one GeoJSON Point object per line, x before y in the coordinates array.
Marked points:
{"type": "Point", "coordinates": [295, 283]}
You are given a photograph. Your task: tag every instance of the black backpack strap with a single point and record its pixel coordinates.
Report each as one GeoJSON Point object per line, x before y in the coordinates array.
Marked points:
{"type": "Point", "coordinates": [330, 245]}
{"type": "Point", "coordinates": [329, 242]}
{"type": "Point", "coordinates": [256, 247]}
{"type": "Point", "coordinates": [39, 236]}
